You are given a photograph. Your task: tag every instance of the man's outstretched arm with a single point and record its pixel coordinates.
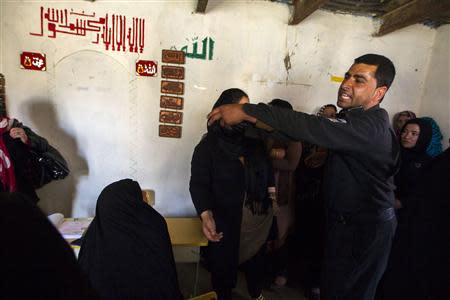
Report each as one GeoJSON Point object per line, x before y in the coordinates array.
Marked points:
{"type": "Point", "coordinates": [301, 126]}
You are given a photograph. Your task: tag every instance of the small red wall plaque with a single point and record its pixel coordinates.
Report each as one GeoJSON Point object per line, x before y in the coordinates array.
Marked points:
{"type": "Point", "coordinates": [146, 68]}
{"type": "Point", "coordinates": [171, 102]}
{"type": "Point", "coordinates": [172, 72]}
{"type": "Point", "coordinates": [170, 131]}
{"type": "Point", "coordinates": [33, 61]}
{"type": "Point", "coordinates": [173, 117]}
{"type": "Point", "coordinates": [173, 57]}
{"type": "Point", "coordinates": [172, 87]}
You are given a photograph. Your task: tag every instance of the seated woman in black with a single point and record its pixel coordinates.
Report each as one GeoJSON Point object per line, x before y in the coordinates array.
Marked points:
{"type": "Point", "coordinates": [230, 180]}
{"type": "Point", "coordinates": [126, 251]}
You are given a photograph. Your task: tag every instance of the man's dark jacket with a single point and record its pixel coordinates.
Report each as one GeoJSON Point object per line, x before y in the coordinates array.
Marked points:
{"type": "Point", "coordinates": [363, 158]}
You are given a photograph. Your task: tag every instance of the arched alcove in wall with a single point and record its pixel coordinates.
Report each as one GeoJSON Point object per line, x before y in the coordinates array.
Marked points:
{"type": "Point", "coordinates": [90, 93]}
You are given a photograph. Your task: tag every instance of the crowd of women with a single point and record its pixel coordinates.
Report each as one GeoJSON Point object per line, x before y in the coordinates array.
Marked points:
{"type": "Point", "coordinates": [259, 197]}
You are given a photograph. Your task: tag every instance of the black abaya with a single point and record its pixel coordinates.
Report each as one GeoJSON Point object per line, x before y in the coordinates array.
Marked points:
{"type": "Point", "coordinates": [35, 261]}
{"type": "Point", "coordinates": [127, 250]}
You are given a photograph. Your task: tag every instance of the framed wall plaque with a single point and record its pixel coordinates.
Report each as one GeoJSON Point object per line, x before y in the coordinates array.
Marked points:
{"type": "Point", "coordinates": [171, 102]}
{"type": "Point", "coordinates": [172, 87]}
{"type": "Point", "coordinates": [146, 68]}
{"type": "Point", "coordinates": [172, 117]}
{"type": "Point", "coordinates": [172, 72]}
{"type": "Point", "coordinates": [170, 131]}
{"type": "Point", "coordinates": [173, 57]}
{"type": "Point", "coordinates": [33, 61]}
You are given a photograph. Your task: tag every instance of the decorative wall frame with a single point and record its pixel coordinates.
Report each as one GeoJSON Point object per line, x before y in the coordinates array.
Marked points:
{"type": "Point", "coordinates": [171, 117]}
{"type": "Point", "coordinates": [172, 72]}
{"type": "Point", "coordinates": [173, 57]}
{"type": "Point", "coordinates": [170, 131]}
{"type": "Point", "coordinates": [171, 102]}
{"type": "Point", "coordinates": [172, 87]}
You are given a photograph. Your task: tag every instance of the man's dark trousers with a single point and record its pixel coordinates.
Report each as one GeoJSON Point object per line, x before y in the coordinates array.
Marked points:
{"type": "Point", "coordinates": [356, 255]}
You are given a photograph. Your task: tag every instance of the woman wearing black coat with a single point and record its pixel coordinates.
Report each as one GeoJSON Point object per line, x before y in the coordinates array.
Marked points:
{"type": "Point", "coordinates": [414, 139]}
{"type": "Point", "coordinates": [20, 152]}
{"type": "Point", "coordinates": [230, 180]}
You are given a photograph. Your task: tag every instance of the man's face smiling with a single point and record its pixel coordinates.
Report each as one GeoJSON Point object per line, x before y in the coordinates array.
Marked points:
{"type": "Point", "coordinates": [359, 88]}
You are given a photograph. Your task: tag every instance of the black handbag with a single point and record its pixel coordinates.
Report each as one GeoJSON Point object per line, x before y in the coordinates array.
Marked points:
{"type": "Point", "coordinates": [49, 166]}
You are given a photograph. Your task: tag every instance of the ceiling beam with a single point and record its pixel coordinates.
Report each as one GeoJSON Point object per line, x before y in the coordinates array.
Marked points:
{"type": "Point", "coordinates": [393, 4]}
{"type": "Point", "coordinates": [411, 13]}
{"type": "Point", "coordinates": [201, 6]}
{"type": "Point", "coordinates": [303, 8]}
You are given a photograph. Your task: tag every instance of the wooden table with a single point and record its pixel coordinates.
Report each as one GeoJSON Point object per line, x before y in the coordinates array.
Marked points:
{"type": "Point", "coordinates": [186, 232]}
{"type": "Point", "coordinates": [183, 232]}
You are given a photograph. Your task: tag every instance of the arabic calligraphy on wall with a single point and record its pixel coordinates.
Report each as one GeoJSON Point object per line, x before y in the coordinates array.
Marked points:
{"type": "Point", "coordinates": [207, 51]}
{"type": "Point", "coordinates": [33, 61]}
{"type": "Point", "coordinates": [116, 32]}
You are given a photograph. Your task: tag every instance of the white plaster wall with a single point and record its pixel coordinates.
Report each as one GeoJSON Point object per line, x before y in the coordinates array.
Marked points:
{"type": "Point", "coordinates": [436, 92]}
{"type": "Point", "coordinates": [104, 119]}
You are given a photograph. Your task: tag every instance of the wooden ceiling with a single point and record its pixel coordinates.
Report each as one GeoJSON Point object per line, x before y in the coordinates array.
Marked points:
{"type": "Point", "coordinates": [392, 14]}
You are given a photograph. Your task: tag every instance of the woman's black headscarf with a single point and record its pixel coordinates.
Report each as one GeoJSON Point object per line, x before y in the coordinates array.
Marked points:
{"type": "Point", "coordinates": [126, 251]}
{"type": "Point", "coordinates": [229, 139]}
{"type": "Point", "coordinates": [424, 136]}
{"type": "Point", "coordinates": [34, 258]}
{"type": "Point", "coordinates": [413, 160]}
{"type": "Point", "coordinates": [233, 143]}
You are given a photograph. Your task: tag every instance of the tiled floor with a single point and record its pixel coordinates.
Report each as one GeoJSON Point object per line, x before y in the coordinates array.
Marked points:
{"type": "Point", "coordinates": [186, 276]}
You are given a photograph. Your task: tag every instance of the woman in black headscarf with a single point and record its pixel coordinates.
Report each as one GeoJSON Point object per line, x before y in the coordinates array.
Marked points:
{"type": "Point", "coordinates": [126, 251]}
{"type": "Point", "coordinates": [230, 180]}
{"type": "Point", "coordinates": [35, 261]}
{"type": "Point", "coordinates": [414, 139]}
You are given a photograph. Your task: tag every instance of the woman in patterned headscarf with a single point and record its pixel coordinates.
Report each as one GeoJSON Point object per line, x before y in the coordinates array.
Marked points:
{"type": "Point", "coordinates": [400, 119]}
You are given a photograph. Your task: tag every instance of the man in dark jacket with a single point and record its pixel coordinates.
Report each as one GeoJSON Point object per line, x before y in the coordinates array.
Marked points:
{"type": "Point", "coordinates": [358, 184]}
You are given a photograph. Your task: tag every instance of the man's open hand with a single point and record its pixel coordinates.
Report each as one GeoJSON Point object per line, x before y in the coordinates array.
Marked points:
{"type": "Point", "coordinates": [229, 114]}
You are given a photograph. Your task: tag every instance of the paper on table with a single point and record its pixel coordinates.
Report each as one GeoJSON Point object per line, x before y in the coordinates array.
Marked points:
{"type": "Point", "coordinates": [70, 228]}
{"type": "Point", "coordinates": [56, 219]}
{"type": "Point", "coordinates": [74, 228]}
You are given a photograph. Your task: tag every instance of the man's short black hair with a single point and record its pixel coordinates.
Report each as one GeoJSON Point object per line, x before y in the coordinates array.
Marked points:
{"type": "Point", "coordinates": [385, 68]}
